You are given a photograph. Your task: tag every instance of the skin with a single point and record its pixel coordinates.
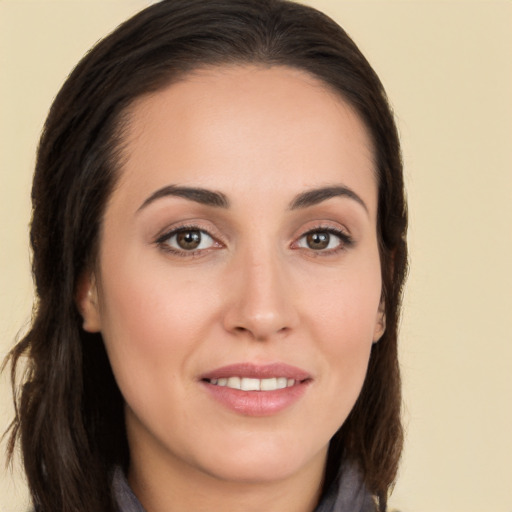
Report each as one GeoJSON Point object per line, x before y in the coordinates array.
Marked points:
{"type": "Point", "coordinates": [256, 291]}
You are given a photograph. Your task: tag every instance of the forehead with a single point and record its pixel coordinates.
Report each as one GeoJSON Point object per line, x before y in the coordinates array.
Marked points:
{"type": "Point", "coordinates": [246, 126]}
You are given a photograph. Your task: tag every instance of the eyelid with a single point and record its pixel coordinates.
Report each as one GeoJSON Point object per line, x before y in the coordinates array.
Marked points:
{"type": "Point", "coordinates": [172, 231]}
{"type": "Point", "coordinates": [346, 240]}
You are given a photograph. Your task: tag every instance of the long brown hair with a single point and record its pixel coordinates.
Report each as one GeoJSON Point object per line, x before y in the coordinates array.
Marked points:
{"type": "Point", "coordinates": [69, 411]}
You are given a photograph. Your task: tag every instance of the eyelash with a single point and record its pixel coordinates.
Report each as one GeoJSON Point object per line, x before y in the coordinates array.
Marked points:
{"type": "Point", "coordinates": [163, 241]}
{"type": "Point", "coordinates": [345, 241]}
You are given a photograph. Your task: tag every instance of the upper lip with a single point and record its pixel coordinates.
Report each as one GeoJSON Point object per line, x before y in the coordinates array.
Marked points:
{"type": "Point", "coordinates": [256, 371]}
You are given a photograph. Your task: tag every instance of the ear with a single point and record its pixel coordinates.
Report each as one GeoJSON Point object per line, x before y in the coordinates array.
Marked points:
{"type": "Point", "coordinates": [380, 323]}
{"type": "Point", "coordinates": [87, 302]}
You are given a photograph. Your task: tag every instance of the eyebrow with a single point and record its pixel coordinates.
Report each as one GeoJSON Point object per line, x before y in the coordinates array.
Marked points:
{"type": "Point", "coordinates": [318, 195]}
{"type": "Point", "coordinates": [219, 200]}
{"type": "Point", "coordinates": [198, 195]}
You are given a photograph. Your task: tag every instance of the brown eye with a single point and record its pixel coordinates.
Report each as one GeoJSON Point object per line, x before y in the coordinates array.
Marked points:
{"type": "Point", "coordinates": [323, 240]}
{"type": "Point", "coordinates": [188, 240]}
{"type": "Point", "coordinates": [318, 240]}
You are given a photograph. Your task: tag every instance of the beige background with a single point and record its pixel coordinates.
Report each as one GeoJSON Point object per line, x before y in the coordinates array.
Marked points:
{"type": "Point", "coordinates": [448, 70]}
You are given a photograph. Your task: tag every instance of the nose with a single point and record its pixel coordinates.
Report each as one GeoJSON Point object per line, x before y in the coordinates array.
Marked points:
{"type": "Point", "coordinates": [261, 304]}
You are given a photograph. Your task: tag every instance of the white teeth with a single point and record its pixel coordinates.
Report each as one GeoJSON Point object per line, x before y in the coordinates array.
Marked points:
{"type": "Point", "coordinates": [282, 382]}
{"type": "Point", "coordinates": [250, 384]}
{"type": "Point", "coordinates": [233, 382]}
{"type": "Point", "coordinates": [247, 384]}
{"type": "Point", "coordinates": [268, 384]}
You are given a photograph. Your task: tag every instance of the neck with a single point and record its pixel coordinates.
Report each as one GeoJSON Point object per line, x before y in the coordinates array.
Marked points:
{"type": "Point", "coordinates": [164, 487]}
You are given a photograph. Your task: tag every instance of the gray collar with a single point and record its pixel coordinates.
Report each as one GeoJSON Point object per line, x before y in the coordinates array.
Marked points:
{"type": "Point", "coordinates": [124, 497]}
{"type": "Point", "coordinates": [347, 493]}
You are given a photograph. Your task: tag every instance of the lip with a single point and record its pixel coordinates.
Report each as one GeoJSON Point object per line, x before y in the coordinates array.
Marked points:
{"type": "Point", "coordinates": [257, 403]}
{"type": "Point", "coordinates": [255, 371]}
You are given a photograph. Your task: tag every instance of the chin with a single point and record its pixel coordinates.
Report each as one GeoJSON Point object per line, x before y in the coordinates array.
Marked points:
{"type": "Point", "coordinates": [264, 462]}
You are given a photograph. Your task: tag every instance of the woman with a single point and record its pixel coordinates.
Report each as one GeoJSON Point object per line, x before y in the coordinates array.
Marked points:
{"type": "Point", "coordinates": [219, 252]}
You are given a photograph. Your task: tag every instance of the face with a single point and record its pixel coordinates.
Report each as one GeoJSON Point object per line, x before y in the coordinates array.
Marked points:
{"type": "Point", "coordinates": [238, 285]}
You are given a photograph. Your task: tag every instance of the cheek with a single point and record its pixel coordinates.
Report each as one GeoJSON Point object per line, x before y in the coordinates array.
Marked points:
{"type": "Point", "coordinates": [345, 307]}
{"type": "Point", "coordinates": [152, 306]}
{"type": "Point", "coordinates": [343, 317]}
{"type": "Point", "coordinates": [151, 323]}
{"type": "Point", "coordinates": [346, 337]}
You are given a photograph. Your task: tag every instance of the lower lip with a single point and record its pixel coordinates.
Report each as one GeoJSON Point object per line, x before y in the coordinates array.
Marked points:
{"type": "Point", "coordinates": [257, 403]}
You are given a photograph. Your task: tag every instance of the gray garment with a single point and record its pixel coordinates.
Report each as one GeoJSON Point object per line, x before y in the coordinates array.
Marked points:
{"type": "Point", "coordinates": [123, 495]}
{"type": "Point", "coordinates": [347, 494]}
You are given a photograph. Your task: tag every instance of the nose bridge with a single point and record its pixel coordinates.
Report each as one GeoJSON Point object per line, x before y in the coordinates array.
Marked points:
{"type": "Point", "coordinates": [263, 304]}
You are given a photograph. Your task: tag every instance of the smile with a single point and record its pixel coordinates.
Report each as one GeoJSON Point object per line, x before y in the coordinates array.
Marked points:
{"type": "Point", "coordinates": [250, 384]}
{"type": "Point", "coordinates": [257, 390]}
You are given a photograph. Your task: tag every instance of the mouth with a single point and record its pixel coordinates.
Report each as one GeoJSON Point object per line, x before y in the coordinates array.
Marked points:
{"type": "Point", "coordinates": [252, 384]}
{"type": "Point", "coordinates": [257, 390]}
